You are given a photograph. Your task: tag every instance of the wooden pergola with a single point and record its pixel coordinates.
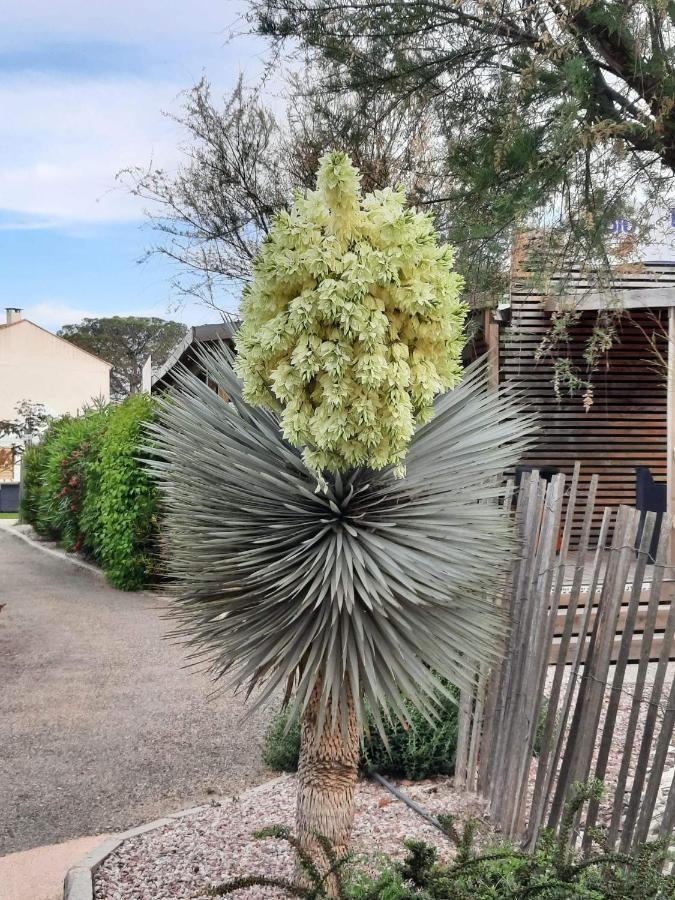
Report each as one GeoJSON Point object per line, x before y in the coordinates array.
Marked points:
{"type": "Point", "coordinates": [636, 299]}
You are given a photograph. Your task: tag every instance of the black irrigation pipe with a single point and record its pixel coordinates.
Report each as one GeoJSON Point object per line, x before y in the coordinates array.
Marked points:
{"type": "Point", "coordinates": [432, 820]}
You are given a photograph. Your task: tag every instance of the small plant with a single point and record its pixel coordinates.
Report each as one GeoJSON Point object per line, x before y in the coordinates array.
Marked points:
{"type": "Point", "coordinates": [313, 883]}
{"type": "Point", "coordinates": [31, 474]}
{"type": "Point", "coordinates": [282, 742]}
{"type": "Point", "coordinates": [553, 870]}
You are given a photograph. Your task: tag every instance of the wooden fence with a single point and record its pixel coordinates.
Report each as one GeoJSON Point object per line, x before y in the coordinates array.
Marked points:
{"type": "Point", "coordinates": [576, 630]}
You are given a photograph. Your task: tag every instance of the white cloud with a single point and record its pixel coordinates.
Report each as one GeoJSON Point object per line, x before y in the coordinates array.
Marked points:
{"type": "Point", "coordinates": [129, 21]}
{"type": "Point", "coordinates": [65, 133]}
{"type": "Point", "coordinates": [53, 314]}
{"type": "Point", "coordinates": [70, 138]}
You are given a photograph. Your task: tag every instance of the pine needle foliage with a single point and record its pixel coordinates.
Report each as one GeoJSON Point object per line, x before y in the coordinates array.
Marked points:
{"type": "Point", "coordinates": [353, 322]}
{"type": "Point", "coordinates": [377, 586]}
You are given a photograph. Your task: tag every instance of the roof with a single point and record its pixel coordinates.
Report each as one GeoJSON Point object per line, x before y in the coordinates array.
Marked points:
{"type": "Point", "coordinates": [57, 338]}
{"type": "Point", "coordinates": [197, 334]}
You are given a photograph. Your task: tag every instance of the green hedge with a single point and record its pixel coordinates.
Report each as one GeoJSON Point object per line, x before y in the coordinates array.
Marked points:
{"type": "Point", "coordinates": [417, 751]}
{"type": "Point", "coordinates": [85, 485]}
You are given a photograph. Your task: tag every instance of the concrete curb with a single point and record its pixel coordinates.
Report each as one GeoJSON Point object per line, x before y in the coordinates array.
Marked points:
{"type": "Point", "coordinates": [79, 881]}
{"type": "Point", "coordinates": [52, 551]}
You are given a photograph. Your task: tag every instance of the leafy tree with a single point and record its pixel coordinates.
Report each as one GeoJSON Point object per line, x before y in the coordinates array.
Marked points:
{"type": "Point", "coordinates": [125, 342]}
{"type": "Point", "coordinates": [557, 114]}
{"type": "Point", "coordinates": [242, 162]}
{"type": "Point", "coordinates": [358, 587]}
{"type": "Point", "coordinates": [30, 421]}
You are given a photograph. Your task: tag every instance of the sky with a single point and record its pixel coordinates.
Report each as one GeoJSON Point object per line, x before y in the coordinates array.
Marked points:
{"type": "Point", "coordinates": [84, 88]}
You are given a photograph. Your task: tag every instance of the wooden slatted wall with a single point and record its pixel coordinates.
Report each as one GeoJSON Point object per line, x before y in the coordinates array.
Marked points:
{"type": "Point", "coordinates": [626, 425]}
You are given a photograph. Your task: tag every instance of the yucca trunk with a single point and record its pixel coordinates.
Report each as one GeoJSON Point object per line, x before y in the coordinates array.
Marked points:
{"type": "Point", "coordinates": [327, 772]}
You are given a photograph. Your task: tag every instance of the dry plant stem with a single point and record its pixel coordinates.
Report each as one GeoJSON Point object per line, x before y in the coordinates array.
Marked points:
{"type": "Point", "coordinates": [327, 773]}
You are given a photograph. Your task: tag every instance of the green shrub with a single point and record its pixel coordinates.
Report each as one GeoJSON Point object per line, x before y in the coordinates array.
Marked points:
{"type": "Point", "coordinates": [32, 462]}
{"type": "Point", "coordinates": [62, 479]}
{"type": "Point", "coordinates": [552, 870]}
{"type": "Point", "coordinates": [282, 743]}
{"type": "Point", "coordinates": [415, 752]}
{"type": "Point", "coordinates": [125, 530]}
{"type": "Point", "coordinates": [84, 485]}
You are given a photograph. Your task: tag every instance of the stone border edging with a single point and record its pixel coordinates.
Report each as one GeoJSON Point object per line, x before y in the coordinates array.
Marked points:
{"type": "Point", "coordinates": [79, 880]}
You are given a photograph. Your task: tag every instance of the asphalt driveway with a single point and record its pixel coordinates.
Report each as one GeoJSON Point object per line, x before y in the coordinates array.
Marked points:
{"type": "Point", "coordinates": [101, 725]}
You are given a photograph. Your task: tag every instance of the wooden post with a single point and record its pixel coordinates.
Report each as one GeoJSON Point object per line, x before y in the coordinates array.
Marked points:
{"type": "Point", "coordinates": [670, 449]}
{"type": "Point", "coordinates": [491, 332]}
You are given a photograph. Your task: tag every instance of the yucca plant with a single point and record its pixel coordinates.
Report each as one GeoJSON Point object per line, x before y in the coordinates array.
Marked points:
{"type": "Point", "coordinates": [321, 540]}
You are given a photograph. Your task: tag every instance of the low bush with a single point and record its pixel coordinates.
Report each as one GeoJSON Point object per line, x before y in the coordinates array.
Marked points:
{"type": "Point", "coordinates": [84, 485]}
{"type": "Point", "coordinates": [31, 479]}
{"type": "Point", "coordinates": [126, 529]}
{"type": "Point", "coordinates": [281, 746]}
{"type": "Point", "coordinates": [417, 751]}
{"type": "Point", "coordinates": [62, 483]}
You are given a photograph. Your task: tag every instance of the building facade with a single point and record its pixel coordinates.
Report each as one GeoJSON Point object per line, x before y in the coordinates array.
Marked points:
{"type": "Point", "coordinates": [38, 367]}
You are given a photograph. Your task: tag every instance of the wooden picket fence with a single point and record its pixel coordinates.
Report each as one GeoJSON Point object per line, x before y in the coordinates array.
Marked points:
{"type": "Point", "coordinates": [578, 624]}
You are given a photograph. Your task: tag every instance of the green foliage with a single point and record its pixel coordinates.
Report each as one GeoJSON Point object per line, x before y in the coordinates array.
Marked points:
{"type": "Point", "coordinates": [539, 734]}
{"type": "Point", "coordinates": [84, 485]}
{"type": "Point", "coordinates": [352, 324]}
{"type": "Point", "coordinates": [126, 530]}
{"type": "Point", "coordinates": [31, 473]}
{"type": "Point", "coordinates": [282, 742]}
{"type": "Point", "coordinates": [415, 751]}
{"type": "Point", "coordinates": [62, 477]}
{"type": "Point", "coordinates": [553, 870]}
{"type": "Point", "coordinates": [316, 883]}
{"type": "Point", "coordinates": [503, 872]}
{"type": "Point", "coordinates": [420, 749]}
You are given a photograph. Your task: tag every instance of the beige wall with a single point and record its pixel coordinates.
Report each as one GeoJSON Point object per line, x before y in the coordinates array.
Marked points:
{"type": "Point", "coordinates": [37, 366]}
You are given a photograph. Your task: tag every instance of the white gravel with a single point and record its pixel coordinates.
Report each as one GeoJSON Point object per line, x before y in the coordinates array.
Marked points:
{"type": "Point", "coordinates": [180, 860]}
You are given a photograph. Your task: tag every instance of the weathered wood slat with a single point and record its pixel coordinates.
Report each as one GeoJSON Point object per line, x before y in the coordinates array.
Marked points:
{"type": "Point", "coordinates": [646, 644]}
{"type": "Point", "coordinates": [622, 658]}
{"type": "Point", "coordinates": [626, 426]}
{"type": "Point", "coordinates": [625, 614]}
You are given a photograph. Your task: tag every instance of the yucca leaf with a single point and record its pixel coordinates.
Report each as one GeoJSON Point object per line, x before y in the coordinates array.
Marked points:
{"type": "Point", "coordinates": [376, 585]}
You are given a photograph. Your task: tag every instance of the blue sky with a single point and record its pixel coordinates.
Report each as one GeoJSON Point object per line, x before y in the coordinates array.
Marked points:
{"type": "Point", "coordinates": [83, 88]}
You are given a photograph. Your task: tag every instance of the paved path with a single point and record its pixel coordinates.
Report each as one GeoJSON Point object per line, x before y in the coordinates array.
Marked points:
{"type": "Point", "coordinates": [100, 726]}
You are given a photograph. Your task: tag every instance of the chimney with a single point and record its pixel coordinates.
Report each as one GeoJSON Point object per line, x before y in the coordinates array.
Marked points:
{"type": "Point", "coordinates": [13, 314]}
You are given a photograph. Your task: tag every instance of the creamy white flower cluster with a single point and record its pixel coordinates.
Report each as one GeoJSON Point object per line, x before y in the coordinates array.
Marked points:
{"type": "Point", "coordinates": [352, 323]}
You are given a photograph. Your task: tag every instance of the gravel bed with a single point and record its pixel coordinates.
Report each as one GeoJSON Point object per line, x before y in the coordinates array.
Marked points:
{"type": "Point", "coordinates": [180, 860]}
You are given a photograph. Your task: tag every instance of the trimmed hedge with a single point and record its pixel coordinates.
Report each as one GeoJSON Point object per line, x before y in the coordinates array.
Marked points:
{"type": "Point", "coordinates": [85, 485]}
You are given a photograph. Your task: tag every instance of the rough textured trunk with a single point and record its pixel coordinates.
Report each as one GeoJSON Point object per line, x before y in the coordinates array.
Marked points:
{"type": "Point", "coordinates": [327, 771]}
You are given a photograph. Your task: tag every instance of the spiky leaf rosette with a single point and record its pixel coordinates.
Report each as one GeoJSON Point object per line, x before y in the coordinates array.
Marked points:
{"type": "Point", "coordinates": [352, 324]}
{"type": "Point", "coordinates": [375, 586]}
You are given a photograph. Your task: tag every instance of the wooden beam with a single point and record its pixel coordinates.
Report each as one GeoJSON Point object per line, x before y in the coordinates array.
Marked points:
{"type": "Point", "coordinates": [640, 298]}
{"type": "Point", "coordinates": [670, 420]}
{"type": "Point", "coordinates": [491, 332]}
